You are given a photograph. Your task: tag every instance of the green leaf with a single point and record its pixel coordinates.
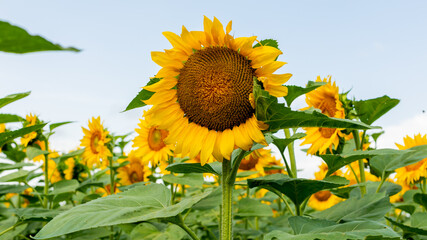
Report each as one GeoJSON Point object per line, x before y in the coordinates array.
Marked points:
{"type": "Point", "coordinates": [17, 176]}
{"type": "Point", "coordinates": [421, 198]}
{"type": "Point", "coordinates": [192, 179]}
{"type": "Point", "coordinates": [4, 189]}
{"type": "Point", "coordinates": [267, 42]}
{"type": "Point", "coordinates": [253, 208]}
{"type": "Point", "coordinates": [6, 166]}
{"type": "Point", "coordinates": [138, 204]}
{"type": "Point", "coordinates": [338, 161]}
{"type": "Point", "coordinates": [213, 200]}
{"type": "Point", "coordinates": [90, 234]}
{"type": "Point", "coordinates": [372, 109]}
{"type": "Point", "coordinates": [158, 232]}
{"type": "Point", "coordinates": [64, 186]}
{"type": "Point", "coordinates": [12, 98]}
{"type": "Point", "coordinates": [143, 95]}
{"type": "Point", "coordinates": [55, 125]}
{"type": "Point", "coordinates": [408, 229]}
{"type": "Point", "coordinates": [9, 136]}
{"type": "Point", "coordinates": [388, 188]}
{"type": "Point", "coordinates": [387, 164]}
{"type": "Point", "coordinates": [36, 214]}
{"type": "Point", "coordinates": [69, 155]}
{"type": "Point", "coordinates": [7, 118]}
{"type": "Point", "coordinates": [245, 174]}
{"type": "Point", "coordinates": [409, 208]}
{"type": "Point", "coordinates": [295, 91]}
{"type": "Point", "coordinates": [302, 225]}
{"type": "Point", "coordinates": [370, 207]}
{"type": "Point", "coordinates": [296, 189]}
{"type": "Point", "coordinates": [33, 152]}
{"type": "Point", "coordinates": [281, 144]}
{"type": "Point", "coordinates": [5, 224]}
{"type": "Point", "coordinates": [14, 39]}
{"type": "Point", "coordinates": [191, 168]}
{"type": "Point", "coordinates": [277, 116]}
{"type": "Point", "coordinates": [419, 220]}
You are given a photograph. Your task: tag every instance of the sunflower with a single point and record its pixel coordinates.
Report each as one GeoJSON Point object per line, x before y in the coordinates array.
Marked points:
{"type": "Point", "coordinates": [412, 173]}
{"type": "Point", "coordinates": [69, 172]}
{"type": "Point", "coordinates": [349, 175]}
{"type": "Point", "coordinates": [326, 99]}
{"type": "Point", "coordinates": [256, 161]}
{"type": "Point", "coordinates": [95, 140]}
{"type": "Point", "coordinates": [106, 190]}
{"type": "Point", "coordinates": [323, 169]}
{"type": "Point", "coordinates": [276, 163]}
{"type": "Point", "coordinates": [135, 171]}
{"type": "Point", "coordinates": [150, 142]}
{"type": "Point", "coordinates": [323, 199]}
{"type": "Point", "coordinates": [202, 97]}
{"type": "Point", "coordinates": [52, 171]}
{"type": "Point", "coordinates": [30, 120]}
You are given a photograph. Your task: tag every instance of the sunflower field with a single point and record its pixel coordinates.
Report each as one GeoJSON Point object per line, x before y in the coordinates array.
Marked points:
{"type": "Point", "coordinates": [200, 163]}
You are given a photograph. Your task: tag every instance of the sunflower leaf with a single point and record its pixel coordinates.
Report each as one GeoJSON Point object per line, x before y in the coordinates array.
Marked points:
{"type": "Point", "coordinates": [9, 136]}
{"type": "Point", "coordinates": [191, 179]}
{"type": "Point", "coordinates": [277, 116]}
{"type": "Point", "coordinates": [408, 229]}
{"type": "Point", "coordinates": [14, 39]}
{"type": "Point", "coordinates": [268, 42]}
{"type": "Point", "coordinates": [33, 152]}
{"type": "Point", "coordinates": [295, 91]}
{"type": "Point", "coordinates": [253, 208]}
{"type": "Point", "coordinates": [142, 203]}
{"type": "Point", "coordinates": [372, 109]}
{"type": "Point", "coordinates": [192, 168]}
{"type": "Point", "coordinates": [17, 176]}
{"type": "Point", "coordinates": [143, 95]}
{"type": "Point", "coordinates": [12, 98]}
{"type": "Point", "coordinates": [55, 125]}
{"type": "Point", "coordinates": [281, 144]}
{"type": "Point", "coordinates": [7, 118]}
{"type": "Point", "coordinates": [421, 198]}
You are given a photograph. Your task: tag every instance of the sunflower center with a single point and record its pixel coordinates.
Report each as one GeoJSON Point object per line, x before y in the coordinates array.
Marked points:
{"type": "Point", "coordinates": [155, 138]}
{"type": "Point", "coordinates": [94, 142]}
{"type": "Point", "coordinates": [322, 195]}
{"type": "Point", "coordinates": [248, 163]}
{"type": "Point", "coordinates": [328, 106]}
{"type": "Point", "coordinates": [327, 132]}
{"type": "Point", "coordinates": [214, 86]}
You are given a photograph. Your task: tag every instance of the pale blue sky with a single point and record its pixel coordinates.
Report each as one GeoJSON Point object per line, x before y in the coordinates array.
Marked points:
{"type": "Point", "coordinates": [371, 47]}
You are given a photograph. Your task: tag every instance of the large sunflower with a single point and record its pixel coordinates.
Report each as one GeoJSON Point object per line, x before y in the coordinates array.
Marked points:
{"type": "Point", "coordinates": [326, 99]}
{"type": "Point", "coordinates": [95, 140]}
{"type": "Point", "coordinates": [413, 172]}
{"type": "Point", "coordinates": [30, 120]}
{"type": "Point", "coordinates": [203, 95]}
{"type": "Point", "coordinates": [150, 142]}
{"type": "Point", "coordinates": [135, 171]}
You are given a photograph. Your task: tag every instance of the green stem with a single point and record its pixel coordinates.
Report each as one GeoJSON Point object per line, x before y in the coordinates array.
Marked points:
{"type": "Point", "coordinates": [230, 179]}
{"type": "Point", "coordinates": [354, 173]}
{"type": "Point", "coordinates": [383, 178]}
{"type": "Point", "coordinates": [361, 163]}
{"type": "Point", "coordinates": [46, 175]}
{"type": "Point", "coordinates": [10, 228]}
{"type": "Point", "coordinates": [284, 200]}
{"type": "Point", "coordinates": [112, 184]}
{"type": "Point", "coordinates": [186, 228]}
{"type": "Point", "coordinates": [298, 210]}
{"type": "Point", "coordinates": [291, 153]}
{"type": "Point", "coordinates": [288, 169]}
{"type": "Point", "coordinates": [227, 190]}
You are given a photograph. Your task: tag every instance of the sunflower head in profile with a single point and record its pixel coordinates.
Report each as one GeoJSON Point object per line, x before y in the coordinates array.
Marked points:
{"type": "Point", "coordinates": [30, 120]}
{"type": "Point", "coordinates": [136, 171]}
{"type": "Point", "coordinates": [323, 199]}
{"type": "Point", "coordinates": [150, 142]}
{"type": "Point", "coordinates": [326, 99]}
{"type": "Point", "coordinates": [203, 95]}
{"type": "Point", "coordinates": [412, 173]}
{"type": "Point", "coordinates": [256, 161]}
{"type": "Point", "coordinates": [95, 142]}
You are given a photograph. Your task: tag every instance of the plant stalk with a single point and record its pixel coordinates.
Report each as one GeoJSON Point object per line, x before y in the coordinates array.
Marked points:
{"type": "Point", "coordinates": [361, 163]}
{"type": "Point", "coordinates": [181, 223]}
{"type": "Point", "coordinates": [227, 190]}
{"type": "Point", "coordinates": [46, 175]}
{"type": "Point", "coordinates": [291, 153]}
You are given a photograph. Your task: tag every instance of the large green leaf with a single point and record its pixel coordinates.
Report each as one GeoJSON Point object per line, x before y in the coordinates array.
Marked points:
{"type": "Point", "coordinates": [69, 155]}
{"type": "Point", "coordinates": [408, 229]}
{"type": "Point", "coordinates": [12, 98]}
{"type": "Point", "coordinates": [421, 198]}
{"type": "Point", "coordinates": [55, 125]}
{"type": "Point", "coordinates": [6, 166]}
{"type": "Point", "coordinates": [297, 189]}
{"type": "Point", "coordinates": [4, 189]}
{"type": "Point", "coordinates": [281, 144]}
{"type": "Point", "coordinates": [138, 204]}
{"type": "Point", "coordinates": [36, 214]}
{"type": "Point", "coordinates": [7, 118]}
{"type": "Point", "coordinates": [369, 207]}
{"type": "Point", "coordinates": [387, 164]}
{"type": "Point", "coordinates": [9, 136]}
{"type": "Point", "coordinates": [33, 152]}
{"type": "Point", "coordinates": [213, 200]}
{"type": "Point", "coordinates": [295, 91]}
{"type": "Point", "coordinates": [419, 220]}
{"type": "Point", "coordinates": [143, 95]}
{"type": "Point", "coordinates": [10, 222]}
{"type": "Point", "coordinates": [192, 168]}
{"type": "Point", "coordinates": [338, 161]}
{"type": "Point", "coordinates": [277, 116]}
{"type": "Point", "coordinates": [17, 176]}
{"type": "Point", "coordinates": [191, 179]}
{"type": "Point", "coordinates": [372, 109]}
{"type": "Point", "coordinates": [253, 208]}
{"type": "Point", "coordinates": [157, 232]}
{"type": "Point", "coordinates": [14, 39]}
{"type": "Point", "coordinates": [302, 225]}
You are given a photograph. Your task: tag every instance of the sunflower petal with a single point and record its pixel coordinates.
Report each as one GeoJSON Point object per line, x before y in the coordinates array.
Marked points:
{"type": "Point", "coordinates": [207, 147]}
{"type": "Point", "coordinates": [227, 143]}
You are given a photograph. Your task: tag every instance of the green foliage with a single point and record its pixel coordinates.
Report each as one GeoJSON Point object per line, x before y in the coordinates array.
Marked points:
{"type": "Point", "coordinates": [268, 42]}
{"type": "Point", "coordinates": [159, 231]}
{"type": "Point", "coordinates": [409, 229]}
{"type": "Point", "coordinates": [12, 98]}
{"type": "Point", "coordinates": [141, 203]}
{"type": "Point", "coordinates": [17, 176]}
{"type": "Point", "coordinates": [253, 208]}
{"type": "Point", "coordinates": [33, 152]}
{"type": "Point", "coordinates": [4, 189]}
{"type": "Point", "coordinates": [7, 118]}
{"type": "Point", "coordinates": [14, 39]}
{"type": "Point", "coordinates": [143, 95]}
{"type": "Point", "coordinates": [191, 179]}
{"type": "Point", "coordinates": [421, 198]}
{"type": "Point", "coordinates": [281, 144]}
{"type": "Point", "coordinates": [194, 168]}
{"type": "Point", "coordinates": [6, 166]}
{"type": "Point", "coordinates": [370, 110]}
{"type": "Point", "coordinates": [295, 91]}
{"type": "Point", "coordinates": [55, 125]}
{"type": "Point", "coordinates": [9, 136]}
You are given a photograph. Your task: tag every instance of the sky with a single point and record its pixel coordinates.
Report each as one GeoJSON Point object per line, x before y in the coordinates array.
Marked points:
{"type": "Point", "coordinates": [372, 48]}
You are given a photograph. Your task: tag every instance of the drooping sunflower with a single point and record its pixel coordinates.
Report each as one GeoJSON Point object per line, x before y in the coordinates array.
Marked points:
{"type": "Point", "coordinates": [413, 172]}
{"type": "Point", "coordinates": [323, 199]}
{"type": "Point", "coordinates": [203, 96]}
{"type": "Point", "coordinates": [150, 142]}
{"type": "Point", "coordinates": [30, 120]}
{"type": "Point", "coordinates": [256, 161]}
{"type": "Point", "coordinates": [326, 99]}
{"type": "Point", "coordinates": [136, 171]}
{"type": "Point", "coordinates": [95, 140]}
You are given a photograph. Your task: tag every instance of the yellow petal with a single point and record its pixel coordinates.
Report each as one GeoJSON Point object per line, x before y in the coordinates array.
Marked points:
{"type": "Point", "coordinates": [217, 147]}
{"type": "Point", "coordinates": [207, 24]}
{"type": "Point", "coordinates": [160, 97]}
{"type": "Point", "coordinates": [228, 28]}
{"type": "Point", "coordinates": [277, 91]}
{"type": "Point", "coordinates": [163, 60]}
{"type": "Point", "coordinates": [177, 42]}
{"type": "Point", "coordinates": [218, 33]}
{"type": "Point", "coordinates": [254, 132]}
{"type": "Point", "coordinates": [190, 39]}
{"type": "Point", "coordinates": [227, 143]}
{"type": "Point", "coordinates": [242, 139]}
{"type": "Point", "coordinates": [208, 146]}
{"type": "Point", "coordinates": [163, 84]}
{"type": "Point", "coordinates": [263, 55]}
{"type": "Point", "coordinates": [269, 68]}
{"type": "Point", "coordinates": [167, 72]}
{"type": "Point", "coordinates": [197, 144]}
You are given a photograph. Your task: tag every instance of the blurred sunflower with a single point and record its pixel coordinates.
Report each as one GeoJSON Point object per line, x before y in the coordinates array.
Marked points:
{"type": "Point", "coordinates": [24, 202]}
{"type": "Point", "coordinates": [30, 120]}
{"type": "Point", "coordinates": [323, 199]}
{"type": "Point", "coordinates": [268, 170]}
{"type": "Point", "coordinates": [69, 172]}
{"type": "Point", "coordinates": [413, 172]}
{"type": "Point", "coordinates": [256, 161]}
{"type": "Point", "coordinates": [150, 142]}
{"type": "Point", "coordinates": [326, 99]}
{"type": "Point", "coordinates": [106, 190]}
{"type": "Point", "coordinates": [95, 140]}
{"type": "Point", "coordinates": [135, 171]}
{"type": "Point", "coordinates": [203, 96]}
{"type": "Point", "coordinates": [351, 176]}
{"type": "Point", "coordinates": [54, 175]}
{"type": "Point", "coordinates": [323, 169]}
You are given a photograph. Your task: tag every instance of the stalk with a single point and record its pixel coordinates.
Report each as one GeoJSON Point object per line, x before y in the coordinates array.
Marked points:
{"type": "Point", "coordinates": [291, 153]}
{"type": "Point", "coordinates": [227, 189]}
{"type": "Point", "coordinates": [361, 164]}
{"type": "Point", "coordinates": [186, 228]}
{"type": "Point", "coordinates": [46, 175]}
{"type": "Point", "coordinates": [112, 190]}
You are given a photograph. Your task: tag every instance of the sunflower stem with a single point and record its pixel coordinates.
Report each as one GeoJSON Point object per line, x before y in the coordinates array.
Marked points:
{"type": "Point", "coordinates": [112, 189]}
{"type": "Point", "coordinates": [288, 169]}
{"type": "Point", "coordinates": [227, 191]}
{"type": "Point", "coordinates": [181, 223]}
{"type": "Point", "coordinates": [46, 175]}
{"type": "Point", "coordinates": [291, 153]}
{"type": "Point", "coordinates": [361, 163]}
{"type": "Point", "coordinates": [383, 178]}
{"type": "Point", "coordinates": [232, 177]}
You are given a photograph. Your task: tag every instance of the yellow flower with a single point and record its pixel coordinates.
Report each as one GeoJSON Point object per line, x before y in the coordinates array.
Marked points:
{"type": "Point", "coordinates": [2, 129]}
{"type": "Point", "coordinates": [323, 199]}
{"type": "Point", "coordinates": [413, 172]}
{"type": "Point", "coordinates": [135, 171]}
{"type": "Point", "coordinates": [349, 175]}
{"type": "Point", "coordinates": [150, 142]}
{"type": "Point", "coordinates": [52, 171]}
{"type": "Point", "coordinates": [30, 121]}
{"type": "Point", "coordinates": [203, 97]}
{"type": "Point", "coordinates": [94, 141]}
{"type": "Point", "coordinates": [24, 201]}
{"type": "Point", "coordinates": [323, 169]}
{"type": "Point", "coordinates": [326, 99]}
{"type": "Point", "coordinates": [69, 172]}
{"type": "Point", "coordinates": [256, 161]}
{"type": "Point", "coordinates": [106, 190]}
